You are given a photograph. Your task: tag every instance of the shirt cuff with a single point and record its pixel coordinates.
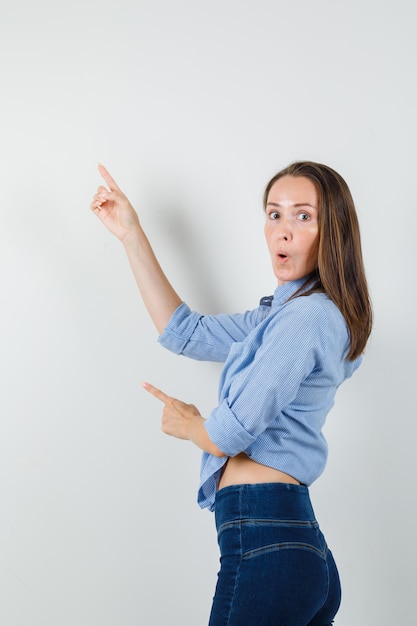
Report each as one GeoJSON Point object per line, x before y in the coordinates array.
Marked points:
{"type": "Point", "coordinates": [225, 430]}
{"type": "Point", "coordinates": [180, 327]}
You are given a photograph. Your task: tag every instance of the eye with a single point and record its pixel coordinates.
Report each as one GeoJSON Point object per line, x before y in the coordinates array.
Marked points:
{"type": "Point", "coordinates": [273, 215]}
{"type": "Point", "coordinates": [303, 217]}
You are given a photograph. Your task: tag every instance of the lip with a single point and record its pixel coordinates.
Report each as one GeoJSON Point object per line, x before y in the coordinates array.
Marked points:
{"type": "Point", "coordinates": [282, 256]}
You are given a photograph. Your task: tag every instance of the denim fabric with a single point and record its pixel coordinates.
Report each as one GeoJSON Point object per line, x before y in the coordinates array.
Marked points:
{"type": "Point", "coordinates": [276, 569]}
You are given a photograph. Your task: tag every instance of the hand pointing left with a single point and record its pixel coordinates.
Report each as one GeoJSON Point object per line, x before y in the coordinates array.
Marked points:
{"type": "Point", "coordinates": [183, 421]}
{"type": "Point", "coordinates": [178, 418]}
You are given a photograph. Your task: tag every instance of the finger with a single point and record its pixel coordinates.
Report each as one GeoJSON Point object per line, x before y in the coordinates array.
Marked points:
{"type": "Point", "coordinates": [96, 203]}
{"type": "Point", "coordinates": [113, 186]}
{"type": "Point", "coordinates": [98, 200]}
{"type": "Point", "coordinates": [157, 393]}
{"type": "Point", "coordinates": [101, 197]}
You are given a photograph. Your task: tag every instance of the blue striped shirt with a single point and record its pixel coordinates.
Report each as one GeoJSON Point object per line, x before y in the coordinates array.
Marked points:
{"type": "Point", "coordinates": [283, 363]}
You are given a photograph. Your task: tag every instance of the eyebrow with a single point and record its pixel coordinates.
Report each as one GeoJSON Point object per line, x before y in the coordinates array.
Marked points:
{"type": "Point", "coordinates": [294, 205]}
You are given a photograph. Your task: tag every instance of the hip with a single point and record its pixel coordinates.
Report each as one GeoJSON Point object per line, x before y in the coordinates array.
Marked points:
{"type": "Point", "coordinates": [276, 567]}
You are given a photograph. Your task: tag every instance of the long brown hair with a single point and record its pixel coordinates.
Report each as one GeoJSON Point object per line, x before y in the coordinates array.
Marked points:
{"type": "Point", "coordinates": [340, 271]}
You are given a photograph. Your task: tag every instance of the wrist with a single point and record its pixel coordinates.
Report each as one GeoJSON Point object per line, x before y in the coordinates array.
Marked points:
{"type": "Point", "coordinates": [133, 237]}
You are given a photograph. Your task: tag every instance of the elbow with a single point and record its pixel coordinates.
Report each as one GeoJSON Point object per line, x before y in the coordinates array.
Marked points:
{"type": "Point", "coordinates": [217, 452]}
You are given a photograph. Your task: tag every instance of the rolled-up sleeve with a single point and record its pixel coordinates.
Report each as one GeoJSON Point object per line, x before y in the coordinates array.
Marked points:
{"type": "Point", "coordinates": [224, 427]}
{"type": "Point", "coordinates": [206, 337]}
{"type": "Point", "coordinates": [179, 330]}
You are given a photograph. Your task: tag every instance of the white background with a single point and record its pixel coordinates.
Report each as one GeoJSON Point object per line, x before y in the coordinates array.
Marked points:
{"type": "Point", "coordinates": [192, 106]}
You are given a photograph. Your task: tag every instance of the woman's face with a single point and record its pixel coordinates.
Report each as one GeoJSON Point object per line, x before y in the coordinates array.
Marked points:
{"type": "Point", "coordinates": [292, 228]}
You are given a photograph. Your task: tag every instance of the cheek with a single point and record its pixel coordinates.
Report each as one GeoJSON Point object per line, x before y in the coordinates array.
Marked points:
{"type": "Point", "coordinates": [268, 235]}
{"type": "Point", "coordinates": [313, 247]}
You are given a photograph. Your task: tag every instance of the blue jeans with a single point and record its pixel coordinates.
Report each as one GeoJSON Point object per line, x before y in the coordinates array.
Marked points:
{"type": "Point", "coordinates": [276, 569]}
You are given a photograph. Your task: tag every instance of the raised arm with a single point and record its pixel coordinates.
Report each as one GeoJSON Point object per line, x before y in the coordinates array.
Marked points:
{"type": "Point", "coordinates": [114, 210]}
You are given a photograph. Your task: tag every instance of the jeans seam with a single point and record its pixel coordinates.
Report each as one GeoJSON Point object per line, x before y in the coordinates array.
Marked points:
{"type": "Point", "coordinates": [277, 547]}
{"type": "Point", "coordinates": [237, 524]}
{"type": "Point", "coordinates": [326, 550]}
{"type": "Point", "coordinates": [268, 522]}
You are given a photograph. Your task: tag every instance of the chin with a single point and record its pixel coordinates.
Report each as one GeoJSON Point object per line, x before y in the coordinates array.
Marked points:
{"type": "Point", "coordinates": [283, 278]}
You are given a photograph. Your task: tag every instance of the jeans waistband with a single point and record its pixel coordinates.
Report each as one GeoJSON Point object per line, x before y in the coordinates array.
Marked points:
{"type": "Point", "coordinates": [267, 501]}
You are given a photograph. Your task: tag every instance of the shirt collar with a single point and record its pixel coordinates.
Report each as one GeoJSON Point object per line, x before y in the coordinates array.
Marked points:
{"type": "Point", "coordinates": [283, 292]}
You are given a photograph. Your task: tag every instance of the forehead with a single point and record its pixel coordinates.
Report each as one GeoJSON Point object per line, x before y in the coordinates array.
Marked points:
{"type": "Point", "coordinates": [293, 190]}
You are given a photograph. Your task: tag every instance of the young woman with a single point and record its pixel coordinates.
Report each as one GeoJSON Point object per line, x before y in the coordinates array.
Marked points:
{"type": "Point", "coordinates": [283, 361]}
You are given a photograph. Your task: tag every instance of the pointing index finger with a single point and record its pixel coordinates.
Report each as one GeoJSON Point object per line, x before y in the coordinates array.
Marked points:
{"type": "Point", "coordinates": [113, 186]}
{"type": "Point", "coordinates": [157, 393]}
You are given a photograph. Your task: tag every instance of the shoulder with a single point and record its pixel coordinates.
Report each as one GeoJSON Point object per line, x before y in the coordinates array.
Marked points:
{"type": "Point", "coordinates": [315, 314]}
{"type": "Point", "coordinates": [316, 305]}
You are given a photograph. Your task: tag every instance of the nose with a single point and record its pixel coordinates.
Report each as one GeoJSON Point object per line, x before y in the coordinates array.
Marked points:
{"type": "Point", "coordinates": [284, 230]}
